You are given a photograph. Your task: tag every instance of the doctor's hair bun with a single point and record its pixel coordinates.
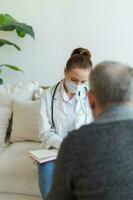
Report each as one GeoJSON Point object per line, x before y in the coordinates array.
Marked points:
{"type": "Point", "coordinates": [81, 51]}
{"type": "Point", "coordinates": [80, 58]}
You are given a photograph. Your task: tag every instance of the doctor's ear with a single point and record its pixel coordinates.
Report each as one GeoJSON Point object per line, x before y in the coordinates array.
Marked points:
{"type": "Point", "coordinates": [65, 71]}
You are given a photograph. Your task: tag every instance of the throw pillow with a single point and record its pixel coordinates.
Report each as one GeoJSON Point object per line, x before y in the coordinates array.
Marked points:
{"type": "Point", "coordinates": [26, 121]}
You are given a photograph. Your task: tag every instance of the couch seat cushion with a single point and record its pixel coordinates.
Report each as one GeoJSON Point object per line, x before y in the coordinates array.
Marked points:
{"type": "Point", "coordinates": [10, 196]}
{"type": "Point", "coordinates": [17, 174]}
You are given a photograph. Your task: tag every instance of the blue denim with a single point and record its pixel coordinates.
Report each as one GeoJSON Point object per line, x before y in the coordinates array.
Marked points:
{"type": "Point", "coordinates": [45, 172]}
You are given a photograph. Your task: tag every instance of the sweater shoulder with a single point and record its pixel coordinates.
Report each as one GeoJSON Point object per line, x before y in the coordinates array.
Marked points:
{"type": "Point", "coordinates": [93, 129]}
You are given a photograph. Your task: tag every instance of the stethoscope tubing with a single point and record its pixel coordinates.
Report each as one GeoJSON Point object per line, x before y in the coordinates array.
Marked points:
{"type": "Point", "coordinates": [52, 104]}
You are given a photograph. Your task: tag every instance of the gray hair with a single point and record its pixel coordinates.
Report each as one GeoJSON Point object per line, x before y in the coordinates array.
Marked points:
{"type": "Point", "coordinates": [112, 82]}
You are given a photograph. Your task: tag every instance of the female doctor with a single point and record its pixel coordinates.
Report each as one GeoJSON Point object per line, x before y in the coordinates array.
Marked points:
{"type": "Point", "coordinates": [64, 108]}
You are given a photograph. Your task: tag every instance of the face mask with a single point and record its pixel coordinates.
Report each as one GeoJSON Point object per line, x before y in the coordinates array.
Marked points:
{"type": "Point", "coordinates": [73, 88]}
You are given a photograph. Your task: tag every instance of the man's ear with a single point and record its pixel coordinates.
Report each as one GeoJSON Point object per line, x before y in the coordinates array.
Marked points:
{"type": "Point", "coordinates": [95, 108]}
{"type": "Point", "coordinates": [92, 100]}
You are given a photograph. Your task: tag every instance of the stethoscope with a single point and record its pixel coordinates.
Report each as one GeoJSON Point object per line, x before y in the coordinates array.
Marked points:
{"type": "Point", "coordinates": [52, 103]}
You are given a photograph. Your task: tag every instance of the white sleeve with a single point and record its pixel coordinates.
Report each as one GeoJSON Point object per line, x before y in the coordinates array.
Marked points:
{"type": "Point", "coordinates": [48, 135]}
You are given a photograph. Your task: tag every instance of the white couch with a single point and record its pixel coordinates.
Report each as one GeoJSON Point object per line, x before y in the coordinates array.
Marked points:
{"type": "Point", "coordinates": [18, 177]}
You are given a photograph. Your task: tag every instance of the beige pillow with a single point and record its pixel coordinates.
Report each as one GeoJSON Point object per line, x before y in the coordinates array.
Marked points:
{"type": "Point", "coordinates": [26, 121]}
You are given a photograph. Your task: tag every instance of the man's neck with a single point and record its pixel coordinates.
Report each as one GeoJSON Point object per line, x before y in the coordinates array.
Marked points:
{"type": "Point", "coordinates": [115, 112]}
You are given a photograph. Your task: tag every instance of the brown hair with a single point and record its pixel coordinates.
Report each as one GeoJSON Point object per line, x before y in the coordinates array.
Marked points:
{"type": "Point", "coordinates": [81, 58]}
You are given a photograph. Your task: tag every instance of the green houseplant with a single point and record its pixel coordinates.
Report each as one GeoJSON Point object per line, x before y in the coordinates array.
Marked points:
{"type": "Point", "coordinates": [8, 23]}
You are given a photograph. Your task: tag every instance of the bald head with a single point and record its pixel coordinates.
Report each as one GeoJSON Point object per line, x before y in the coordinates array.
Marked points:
{"type": "Point", "coordinates": [112, 82]}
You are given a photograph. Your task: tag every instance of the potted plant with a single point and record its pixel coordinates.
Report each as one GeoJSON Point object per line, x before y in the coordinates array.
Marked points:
{"type": "Point", "coordinates": [8, 23]}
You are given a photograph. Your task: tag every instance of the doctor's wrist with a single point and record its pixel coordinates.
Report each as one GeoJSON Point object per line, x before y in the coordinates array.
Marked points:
{"type": "Point", "coordinates": [56, 144]}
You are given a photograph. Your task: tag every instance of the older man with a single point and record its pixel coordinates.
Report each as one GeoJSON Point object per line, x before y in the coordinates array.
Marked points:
{"type": "Point", "coordinates": [96, 161]}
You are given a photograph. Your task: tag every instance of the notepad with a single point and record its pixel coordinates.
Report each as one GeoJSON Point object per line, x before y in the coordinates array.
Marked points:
{"type": "Point", "coordinates": [43, 155]}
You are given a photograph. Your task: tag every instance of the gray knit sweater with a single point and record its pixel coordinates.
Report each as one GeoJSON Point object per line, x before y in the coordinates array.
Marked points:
{"type": "Point", "coordinates": [99, 169]}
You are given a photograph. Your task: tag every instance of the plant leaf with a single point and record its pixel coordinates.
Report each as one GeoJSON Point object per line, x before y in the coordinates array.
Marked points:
{"type": "Point", "coordinates": [5, 42]}
{"type": "Point", "coordinates": [8, 23]}
{"type": "Point", "coordinates": [6, 19]}
{"type": "Point", "coordinates": [15, 68]}
{"type": "Point", "coordinates": [21, 33]}
{"type": "Point", "coordinates": [1, 81]}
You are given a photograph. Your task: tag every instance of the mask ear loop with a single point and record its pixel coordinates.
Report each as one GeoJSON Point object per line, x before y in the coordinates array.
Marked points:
{"type": "Point", "coordinates": [79, 93]}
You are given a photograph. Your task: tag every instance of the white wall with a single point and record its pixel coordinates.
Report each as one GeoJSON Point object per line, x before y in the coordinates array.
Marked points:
{"type": "Point", "coordinates": [103, 26]}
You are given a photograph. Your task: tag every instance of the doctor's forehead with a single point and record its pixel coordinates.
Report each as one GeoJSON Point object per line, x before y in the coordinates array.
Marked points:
{"type": "Point", "coordinates": [79, 73]}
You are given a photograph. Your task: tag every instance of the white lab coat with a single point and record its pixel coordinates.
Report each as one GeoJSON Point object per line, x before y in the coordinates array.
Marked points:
{"type": "Point", "coordinates": [49, 135]}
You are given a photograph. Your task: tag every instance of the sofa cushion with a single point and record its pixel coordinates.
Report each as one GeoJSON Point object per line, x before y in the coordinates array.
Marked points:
{"type": "Point", "coordinates": [17, 174]}
{"type": "Point", "coordinates": [8, 93]}
{"type": "Point", "coordinates": [38, 92]}
{"type": "Point", "coordinates": [10, 196]}
{"type": "Point", "coordinates": [26, 121]}
{"type": "Point", "coordinates": [21, 91]}
{"type": "Point", "coordinates": [3, 148]}
{"type": "Point", "coordinates": [5, 115]}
